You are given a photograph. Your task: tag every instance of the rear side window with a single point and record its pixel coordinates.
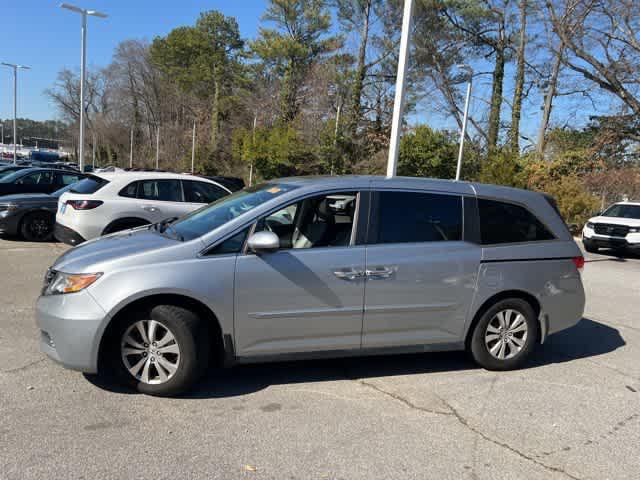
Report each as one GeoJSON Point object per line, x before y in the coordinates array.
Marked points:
{"type": "Point", "coordinates": [67, 178]}
{"type": "Point", "coordinates": [202, 192]}
{"type": "Point", "coordinates": [89, 185]}
{"type": "Point", "coordinates": [130, 191]}
{"type": "Point", "coordinates": [161, 190]}
{"type": "Point", "coordinates": [502, 222]}
{"type": "Point", "coordinates": [404, 217]}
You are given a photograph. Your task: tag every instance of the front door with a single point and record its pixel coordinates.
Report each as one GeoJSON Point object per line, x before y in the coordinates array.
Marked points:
{"type": "Point", "coordinates": [307, 296]}
{"type": "Point", "coordinates": [420, 274]}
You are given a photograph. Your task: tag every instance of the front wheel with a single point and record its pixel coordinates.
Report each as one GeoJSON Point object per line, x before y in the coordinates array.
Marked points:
{"type": "Point", "coordinates": [161, 351]}
{"type": "Point", "coordinates": [505, 335]}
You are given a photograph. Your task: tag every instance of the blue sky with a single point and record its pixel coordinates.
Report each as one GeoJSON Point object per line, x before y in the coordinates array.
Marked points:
{"type": "Point", "coordinates": [47, 38]}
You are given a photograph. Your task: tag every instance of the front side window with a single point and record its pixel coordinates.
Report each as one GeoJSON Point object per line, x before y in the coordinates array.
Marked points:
{"type": "Point", "coordinates": [160, 190]}
{"type": "Point", "coordinates": [502, 222]}
{"type": "Point", "coordinates": [321, 221]}
{"type": "Point", "coordinates": [410, 217]}
{"type": "Point", "coordinates": [232, 244]}
{"type": "Point", "coordinates": [37, 178]}
{"type": "Point", "coordinates": [623, 210]}
{"type": "Point", "coordinates": [202, 192]}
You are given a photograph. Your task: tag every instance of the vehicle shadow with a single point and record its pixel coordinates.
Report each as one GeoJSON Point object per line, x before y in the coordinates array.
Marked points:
{"type": "Point", "coordinates": [586, 339]}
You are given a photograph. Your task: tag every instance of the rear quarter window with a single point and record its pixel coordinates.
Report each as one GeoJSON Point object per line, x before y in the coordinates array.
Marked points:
{"type": "Point", "coordinates": [502, 222]}
{"type": "Point", "coordinates": [89, 185]}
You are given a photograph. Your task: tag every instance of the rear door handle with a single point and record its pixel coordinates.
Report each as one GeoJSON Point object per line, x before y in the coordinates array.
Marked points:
{"type": "Point", "coordinates": [380, 272]}
{"type": "Point", "coordinates": [349, 274]}
{"type": "Point", "coordinates": [150, 208]}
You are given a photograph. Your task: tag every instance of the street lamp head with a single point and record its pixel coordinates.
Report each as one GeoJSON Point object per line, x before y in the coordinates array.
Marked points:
{"type": "Point", "coordinates": [83, 11]}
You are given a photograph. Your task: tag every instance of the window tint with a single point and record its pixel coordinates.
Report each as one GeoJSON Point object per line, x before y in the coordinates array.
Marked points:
{"type": "Point", "coordinates": [37, 178]}
{"type": "Point", "coordinates": [507, 223]}
{"type": "Point", "coordinates": [417, 217]}
{"type": "Point", "coordinates": [201, 192]}
{"type": "Point", "coordinates": [161, 190]}
{"type": "Point", "coordinates": [89, 185]}
{"type": "Point", "coordinates": [322, 221]}
{"type": "Point", "coordinates": [230, 245]}
{"type": "Point", "coordinates": [67, 178]}
{"type": "Point", "coordinates": [130, 191]}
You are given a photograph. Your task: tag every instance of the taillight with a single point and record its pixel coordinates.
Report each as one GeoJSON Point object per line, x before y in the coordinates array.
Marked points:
{"type": "Point", "coordinates": [578, 262]}
{"type": "Point", "coordinates": [84, 204]}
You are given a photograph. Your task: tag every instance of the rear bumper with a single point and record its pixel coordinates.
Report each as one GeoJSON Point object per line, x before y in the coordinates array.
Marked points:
{"type": "Point", "coordinates": [67, 235]}
{"type": "Point", "coordinates": [70, 329]}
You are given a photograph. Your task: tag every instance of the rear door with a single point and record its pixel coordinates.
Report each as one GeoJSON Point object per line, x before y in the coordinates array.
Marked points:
{"type": "Point", "coordinates": [421, 274]}
{"type": "Point", "coordinates": [161, 199]}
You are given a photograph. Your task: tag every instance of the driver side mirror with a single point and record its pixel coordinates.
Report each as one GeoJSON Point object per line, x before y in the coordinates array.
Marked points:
{"type": "Point", "coordinates": [263, 242]}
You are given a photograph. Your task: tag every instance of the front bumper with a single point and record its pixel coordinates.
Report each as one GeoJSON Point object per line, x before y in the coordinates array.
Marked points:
{"type": "Point", "coordinates": [71, 327]}
{"type": "Point", "coordinates": [67, 235]}
{"type": "Point", "coordinates": [8, 223]}
{"type": "Point", "coordinates": [610, 242]}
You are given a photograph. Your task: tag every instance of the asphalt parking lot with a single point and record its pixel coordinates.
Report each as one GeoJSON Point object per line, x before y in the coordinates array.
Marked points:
{"type": "Point", "coordinates": [574, 412]}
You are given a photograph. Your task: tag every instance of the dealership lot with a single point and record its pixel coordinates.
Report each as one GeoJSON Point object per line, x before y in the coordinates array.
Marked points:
{"type": "Point", "coordinates": [574, 412]}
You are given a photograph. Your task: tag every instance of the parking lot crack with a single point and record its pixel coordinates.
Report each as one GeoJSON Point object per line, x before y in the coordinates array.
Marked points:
{"type": "Point", "coordinates": [402, 400]}
{"type": "Point", "coordinates": [465, 423]}
{"type": "Point", "coordinates": [23, 367]}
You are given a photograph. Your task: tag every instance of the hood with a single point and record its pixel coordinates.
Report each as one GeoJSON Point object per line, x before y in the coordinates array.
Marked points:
{"type": "Point", "coordinates": [28, 198]}
{"type": "Point", "coordinates": [104, 252]}
{"type": "Point", "coordinates": [629, 222]}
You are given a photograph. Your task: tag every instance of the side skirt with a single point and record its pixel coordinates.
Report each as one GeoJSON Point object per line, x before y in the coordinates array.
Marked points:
{"type": "Point", "coordinates": [365, 352]}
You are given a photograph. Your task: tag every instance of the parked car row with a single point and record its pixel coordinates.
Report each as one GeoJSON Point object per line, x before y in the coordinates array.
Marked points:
{"type": "Point", "coordinates": [100, 203]}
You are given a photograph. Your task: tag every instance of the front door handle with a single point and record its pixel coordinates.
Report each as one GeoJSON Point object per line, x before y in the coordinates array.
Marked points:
{"type": "Point", "coordinates": [380, 272]}
{"type": "Point", "coordinates": [349, 274]}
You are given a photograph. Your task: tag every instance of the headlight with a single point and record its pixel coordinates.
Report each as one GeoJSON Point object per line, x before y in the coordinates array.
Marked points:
{"type": "Point", "coordinates": [589, 225]}
{"type": "Point", "coordinates": [7, 208]}
{"type": "Point", "coordinates": [70, 283]}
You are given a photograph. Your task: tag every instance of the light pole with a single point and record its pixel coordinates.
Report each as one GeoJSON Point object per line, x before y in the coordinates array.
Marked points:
{"type": "Point", "coordinates": [398, 104]}
{"type": "Point", "coordinates": [469, 71]}
{"type": "Point", "coordinates": [158, 148]}
{"type": "Point", "coordinates": [15, 106]}
{"type": "Point", "coordinates": [2, 126]}
{"type": "Point", "coordinates": [193, 148]}
{"type": "Point", "coordinates": [83, 64]}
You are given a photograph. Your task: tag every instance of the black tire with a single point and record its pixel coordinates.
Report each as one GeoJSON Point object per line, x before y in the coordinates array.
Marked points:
{"type": "Point", "coordinates": [191, 336]}
{"type": "Point", "coordinates": [37, 226]}
{"type": "Point", "coordinates": [479, 349]}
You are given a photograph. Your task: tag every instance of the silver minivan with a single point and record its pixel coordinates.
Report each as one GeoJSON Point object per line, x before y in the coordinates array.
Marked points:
{"type": "Point", "coordinates": [316, 267]}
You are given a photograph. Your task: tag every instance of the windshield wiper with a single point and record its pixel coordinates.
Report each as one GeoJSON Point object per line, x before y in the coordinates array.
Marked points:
{"type": "Point", "coordinates": [164, 225]}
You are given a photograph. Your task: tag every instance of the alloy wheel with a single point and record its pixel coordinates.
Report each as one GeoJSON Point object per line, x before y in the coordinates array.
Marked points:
{"type": "Point", "coordinates": [150, 352]}
{"type": "Point", "coordinates": [506, 334]}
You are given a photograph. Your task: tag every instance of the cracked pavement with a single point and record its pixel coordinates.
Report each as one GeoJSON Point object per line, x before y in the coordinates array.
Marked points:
{"type": "Point", "coordinates": [572, 413]}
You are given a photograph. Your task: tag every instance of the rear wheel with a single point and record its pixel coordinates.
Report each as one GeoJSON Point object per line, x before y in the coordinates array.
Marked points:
{"type": "Point", "coordinates": [160, 351]}
{"type": "Point", "coordinates": [505, 335]}
{"type": "Point", "coordinates": [37, 227]}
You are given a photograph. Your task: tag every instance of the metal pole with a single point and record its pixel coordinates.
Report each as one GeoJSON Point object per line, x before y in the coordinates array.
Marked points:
{"type": "Point", "coordinates": [193, 148]}
{"type": "Point", "coordinates": [335, 135]}
{"type": "Point", "coordinates": [255, 124]}
{"type": "Point", "coordinates": [464, 129]}
{"type": "Point", "coordinates": [398, 105]}
{"type": "Point", "coordinates": [83, 64]}
{"type": "Point", "coordinates": [2, 126]}
{"type": "Point", "coordinates": [131, 150]}
{"type": "Point", "coordinates": [15, 114]}
{"type": "Point", "coordinates": [93, 152]}
{"type": "Point", "coordinates": [158, 148]}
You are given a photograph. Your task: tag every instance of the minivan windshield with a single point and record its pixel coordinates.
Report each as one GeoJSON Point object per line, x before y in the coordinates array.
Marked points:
{"type": "Point", "coordinates": [218, 213]}
{"type": "Point", "coordinates": [623, 210]}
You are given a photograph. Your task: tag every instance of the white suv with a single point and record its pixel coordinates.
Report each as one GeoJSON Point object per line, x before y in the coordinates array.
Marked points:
{"type": "Point", "coordinates": [618, 227]}
{"type": "Point", "coordinates": [110, 202]}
